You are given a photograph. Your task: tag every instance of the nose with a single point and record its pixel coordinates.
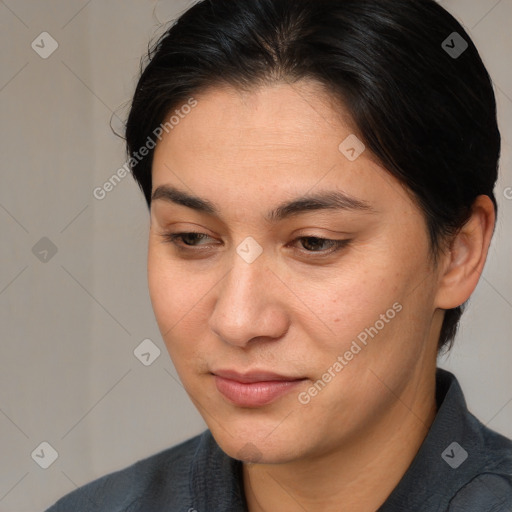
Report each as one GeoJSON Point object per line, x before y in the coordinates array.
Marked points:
{"type": "Point", "coordinates": [249, 304]}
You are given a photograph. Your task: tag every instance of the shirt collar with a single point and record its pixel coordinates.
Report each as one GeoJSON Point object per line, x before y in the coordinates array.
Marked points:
{"type": "Point", "coordinates": [449, 457]}
{"type": "Point", "coordinates": [215, 479]}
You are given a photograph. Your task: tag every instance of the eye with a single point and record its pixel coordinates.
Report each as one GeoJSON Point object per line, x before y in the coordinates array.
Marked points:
{"type": "Point", "coordinates": [185, 238]}
{"type": "Point", "coordinates": [315, 241]}
{"type": "Point", "coordinates": [186, 241]}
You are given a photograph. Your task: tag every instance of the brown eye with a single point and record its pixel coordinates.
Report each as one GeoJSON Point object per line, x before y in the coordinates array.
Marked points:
{"type": "Point", "coordinates": [311, 243]}
{"type": "Point", "coordinates": [187, 238]}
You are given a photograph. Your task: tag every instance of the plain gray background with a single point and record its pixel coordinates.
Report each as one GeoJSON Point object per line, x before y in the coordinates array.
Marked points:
{"type": "Point", "coordinates": [70, 324]}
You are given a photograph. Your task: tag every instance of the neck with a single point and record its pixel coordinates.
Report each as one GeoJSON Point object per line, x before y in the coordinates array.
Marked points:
{"type": "Point", "coordinates": [375, 458]}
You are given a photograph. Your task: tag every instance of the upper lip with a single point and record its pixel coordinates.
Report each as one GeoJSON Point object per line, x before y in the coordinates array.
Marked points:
{"type": "Point", "coordinates": [253, 376]}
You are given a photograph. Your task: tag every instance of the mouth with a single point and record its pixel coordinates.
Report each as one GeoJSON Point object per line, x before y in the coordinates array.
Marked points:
{"type": "Point", "coordinates": [254, 389]}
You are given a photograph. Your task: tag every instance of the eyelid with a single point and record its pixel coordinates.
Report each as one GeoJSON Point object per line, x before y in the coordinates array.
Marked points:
{"type": "Point", "coordinates": [172, 235]}
{"type": "Point", "coordinates": [336, 244]}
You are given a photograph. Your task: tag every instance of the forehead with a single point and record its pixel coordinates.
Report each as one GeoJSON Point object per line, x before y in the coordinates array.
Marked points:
{"type": "Point", "coordinates": [274, 139]}
{"type": "Point", "coordinates": [266, 116]}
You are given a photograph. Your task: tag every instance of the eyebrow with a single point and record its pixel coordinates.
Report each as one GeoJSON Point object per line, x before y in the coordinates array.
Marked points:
{"type": "Point", "coordinates": [327, 200]}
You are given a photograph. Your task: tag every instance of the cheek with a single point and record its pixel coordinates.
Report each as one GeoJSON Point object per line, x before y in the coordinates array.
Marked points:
{"type": "Point", "coordinates": [179, 299]}
{"type": "Point", "coordinates": [356, 294]}
{"type": "Point", "coordinates": [161, 292]}
{"type": "Point", "coordinates": [374, 301]}
{"type": "Point", "coordinates": [170, 291]}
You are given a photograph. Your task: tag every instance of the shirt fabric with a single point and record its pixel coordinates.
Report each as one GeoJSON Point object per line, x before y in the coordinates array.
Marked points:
{"type": "Point", "coordinates": [461, 466]}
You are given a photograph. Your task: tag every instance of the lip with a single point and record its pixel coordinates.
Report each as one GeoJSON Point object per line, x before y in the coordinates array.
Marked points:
{"type": "Point", "coordinates": [255, 388]}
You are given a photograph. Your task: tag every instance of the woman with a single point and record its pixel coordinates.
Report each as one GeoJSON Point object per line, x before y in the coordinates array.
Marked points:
{"type": "Point", "coordinates": [319, 176]}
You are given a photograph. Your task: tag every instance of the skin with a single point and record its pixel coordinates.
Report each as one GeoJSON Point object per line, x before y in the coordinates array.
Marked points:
{"type": "Point", "coordinates": [294, 312]}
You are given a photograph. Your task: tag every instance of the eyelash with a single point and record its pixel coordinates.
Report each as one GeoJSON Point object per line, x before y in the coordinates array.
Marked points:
{"type": "Point", "coordinates": [173, 237]}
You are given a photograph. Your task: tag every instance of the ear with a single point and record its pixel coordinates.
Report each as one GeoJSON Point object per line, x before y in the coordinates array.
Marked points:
{"type": "Point", "coordinates": [464, 262]}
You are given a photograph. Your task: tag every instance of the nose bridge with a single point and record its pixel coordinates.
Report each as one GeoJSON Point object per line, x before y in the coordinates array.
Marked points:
{"type": "Point", "coordinates": [245, 306]}
{"type": "Point", "coordinates": [248, 269]}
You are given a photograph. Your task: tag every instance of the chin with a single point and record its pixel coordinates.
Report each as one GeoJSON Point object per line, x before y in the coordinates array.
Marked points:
{"type": "Point", "coordinates": [257, 445]}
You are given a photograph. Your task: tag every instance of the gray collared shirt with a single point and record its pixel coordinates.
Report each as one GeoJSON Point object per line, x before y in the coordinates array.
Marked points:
{"type": "Point", "coordinates": [462, 466]}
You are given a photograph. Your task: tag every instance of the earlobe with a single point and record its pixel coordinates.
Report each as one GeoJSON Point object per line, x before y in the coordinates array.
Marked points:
{"type": "Point", "coordinates": [464, 262]}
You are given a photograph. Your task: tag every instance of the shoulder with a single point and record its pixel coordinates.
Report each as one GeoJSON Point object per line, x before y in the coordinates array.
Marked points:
{"type": "Point", "coordinates": [490, 488]}
{"type": "Point", "coordinates": [163, 477]}
{"type": "Point", "coordinates": [462, 465]}
{"type": "Point", "coordinates": [486, 492]}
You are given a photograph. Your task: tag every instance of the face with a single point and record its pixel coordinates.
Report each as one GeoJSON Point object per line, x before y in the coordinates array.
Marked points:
{"type": "Point", "coordinates": [292, 333]}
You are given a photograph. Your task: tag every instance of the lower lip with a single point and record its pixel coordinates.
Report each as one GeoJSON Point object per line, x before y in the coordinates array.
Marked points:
{"type": "Point", "coordinates": [254, 394]}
